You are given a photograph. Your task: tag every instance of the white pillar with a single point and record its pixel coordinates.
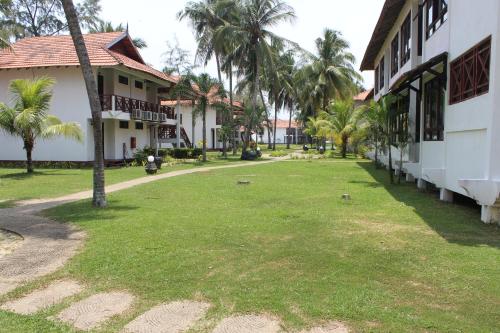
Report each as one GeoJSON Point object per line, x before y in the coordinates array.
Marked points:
{"type": "Point", "coordinates": [113, 105]}
{"type": "Point", "coordinates": [445, 195]}
{"type": "Point", "coordinates": [490, 214]}
{"type": "Point", "coordinates": [421, 184]}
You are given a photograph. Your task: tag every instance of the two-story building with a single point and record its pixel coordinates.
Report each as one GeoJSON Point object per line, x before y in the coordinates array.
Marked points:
{"type": "Point", "coordinates": [131, 93]}
{"type": "Point", "coordinates": [439, 57]}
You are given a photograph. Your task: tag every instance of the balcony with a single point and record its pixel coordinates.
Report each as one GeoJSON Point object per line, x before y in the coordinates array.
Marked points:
{"type": "Point", "coordinates": [139, 110]}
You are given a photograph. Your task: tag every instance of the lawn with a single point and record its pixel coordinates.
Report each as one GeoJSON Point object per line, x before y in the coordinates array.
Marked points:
{"type": "Point", "coordinates": [392, 259]}
{"type": "Point", "coordinates": [16, 184]}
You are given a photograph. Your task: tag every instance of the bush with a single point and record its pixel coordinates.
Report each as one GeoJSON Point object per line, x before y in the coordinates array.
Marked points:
{"type": "Point", "coordinates": [141, 156]}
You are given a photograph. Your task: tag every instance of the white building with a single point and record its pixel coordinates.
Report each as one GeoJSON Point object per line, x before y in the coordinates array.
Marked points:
{"type": "Point", "coordinates": [213, 118]}
{"type": "Point", "coordinates": [131, 94]}
{"type": "Point", "coordinates": [440, 58]}
{"type": "Point", "coordinates": [283, 133]}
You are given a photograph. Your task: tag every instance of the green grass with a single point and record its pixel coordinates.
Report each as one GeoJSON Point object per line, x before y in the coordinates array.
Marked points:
{"type": "Point", "coordinates": [16, 184]}
{"type": "Point", "coordinates": [390, 260]}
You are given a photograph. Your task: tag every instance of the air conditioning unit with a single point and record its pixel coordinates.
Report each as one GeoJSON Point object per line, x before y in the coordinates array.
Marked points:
{"type": "Point", "coordinates": [163, 117]}
{"type": "Point", "coordinates": [136, 114]}
{"type": "Point", "coordinates": [156, 117]}
{"type": "Point", "coordinates": [147, 115]}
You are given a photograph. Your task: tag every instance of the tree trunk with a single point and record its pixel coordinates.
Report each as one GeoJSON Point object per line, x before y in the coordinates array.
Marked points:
{"type": "Point", "coordinates": [289, 130]}
{"type": "Point", "coordinates": [376, 151]}
{"type": "Point", "coordinates": [276, 107]}
{"type": "Point", "coordinates": [344, 146]}
{"type": "Point", "coordinates": [269, 132]}
{"type": "Point", "coordinates": [233, 130]}
{"type": "Point", "coordinates": [193, 124]}
{"type": "Point", "coordinates": [178, 122]}
{"type": "Point", "coordinates": [219, 74]}
{"type": "Point", "coordinates": [400, 164]}
{"type": "Point", "coordinates": [29, 160]}
{"type": "Point", "coordinates": [204, 133]}
{"type": "Point", "coordinates": [99, 194]}
{"type": "Point", "coordinates": [391, 173]}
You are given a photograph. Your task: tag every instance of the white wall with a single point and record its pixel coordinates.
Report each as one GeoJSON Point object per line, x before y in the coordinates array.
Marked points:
{"type": "Point", "coordinates": [69, 103]}
{"type": "Point", "coordinates": [211, 120]}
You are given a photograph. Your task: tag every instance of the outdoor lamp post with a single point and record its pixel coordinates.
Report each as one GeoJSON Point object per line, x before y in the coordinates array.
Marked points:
{"type": "Point", "coordinates": [151, 168]}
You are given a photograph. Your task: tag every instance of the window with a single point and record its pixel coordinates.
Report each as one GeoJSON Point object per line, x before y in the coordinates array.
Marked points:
{"type": "Point", "coordinates": [470, 73]}
{"type": "Point", "coordinates": [139, 85]}
{"type": "Point", "coordinates": [399, 121]}
{"type": "Point", "coordinates": [139, 126]}
{"type": "Point", "coordinates": [395, 56]}
{"type": "Point", "coordinates": [406, 40]}
{"type": "Point", "coordinates": [437, 14]}
{"type": "Point", "coordinates": [434, 110]}
{"type": "Point", "coordinates": [382, 73]}
{"type": "Point", "coordinates": [376, 80]}
{"type": "Point", "coordinates": [123, 79]}
{"type": "Point", "coordinates": [123, 124]}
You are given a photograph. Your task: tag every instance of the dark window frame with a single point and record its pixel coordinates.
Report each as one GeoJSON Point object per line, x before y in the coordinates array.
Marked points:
{"type": "Point", "coordinates": [395, 55]}
{"type": "Point", "coordinates": [434, 105]}
{"type": "Point", "coordinates": [123, 80]}
{"type": "Point", "coordinates": [124, 124]}
{"type": "Point", "coordinates": [400, 119]}
{"type": "Point", "coordinates": [438, 18]}
{"type": "Point", "coordinates": [470, 73]}
{"type": "Point", "coordinates": [405, 52]}
{"type": "Point", "coordinates": [377, 70]}
{"type": "Point", "coordinates": [382, 73]}
{"type": "Point", "coordinates": [139, 126]}
{"type": "Point", "coordinates": [139, 85]}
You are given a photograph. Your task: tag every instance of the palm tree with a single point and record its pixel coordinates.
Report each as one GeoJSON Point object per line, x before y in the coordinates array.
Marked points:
{"type": "Point", "coordinates": [344, 119]}
{"type": "Point", "coordinates": [207, 88]}
{"type": "Point", "coordinates": [254, 37]}
{"type": "Point", "coordinates": [99, 193]}
{"type": "Point", "coordinates": [105, 26]}
{"type": "Point", "coordinates": [318, 127]}
{"type": "Point", "coordinates": [330, 74]}
{"type": "Point", "coordinates": [29, 118]}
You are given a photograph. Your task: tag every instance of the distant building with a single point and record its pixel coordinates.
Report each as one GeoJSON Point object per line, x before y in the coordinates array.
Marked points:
{"type": "Point", "coordinates": [439, 57]}
{"type": "Point", "coordinates": [284, 133]}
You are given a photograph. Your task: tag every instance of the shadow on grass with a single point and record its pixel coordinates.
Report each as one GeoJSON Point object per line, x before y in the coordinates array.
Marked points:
{"type": "Point", "coordinates": [459, 224]}
{"type": "Point", "coordinates": [22, 175]}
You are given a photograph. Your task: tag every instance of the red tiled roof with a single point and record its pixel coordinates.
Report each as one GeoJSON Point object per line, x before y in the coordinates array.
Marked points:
{"type": "Point", "coordinates": [364, 96]}
{"type": "Point", "coordinates": [284, 123]}
{"type": "Point", "coordinates": [54, 51]}
{"type": "Point", "coordinates": [211, 98]}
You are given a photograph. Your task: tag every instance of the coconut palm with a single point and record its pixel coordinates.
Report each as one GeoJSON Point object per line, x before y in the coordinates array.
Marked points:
{"type": "Point", "coordinates": [99, 193]}
{"type": "Point", "coordinates": [207, 87]}
{"type": "Point", "coordinates": [254, 37]}
{"type": "Point", "coordinates": [344, 118]}
{"type": "Point", "coordinates": [105, 26]}
{"type": "Point", "coordinates": [318, 128]}
{"type": "Point", "coordinates": [330, 74]}
{"type": "Point", "coordinates": [29, 118]}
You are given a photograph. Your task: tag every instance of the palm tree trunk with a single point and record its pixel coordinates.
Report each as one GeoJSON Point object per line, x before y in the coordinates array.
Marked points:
{"type": "Point", "coordinates": [233, 131]}
{"type": "Point", "coordinates": [219, 74]}
{"type": "Point", "coordinates": [204, 133]}
{"type": "Point", "coordinates": [29, 159]}
{"type": "Point", "coordinates": [391, 173]}
{"type": "Point", "coordinates": [289, 130]}
{"type": "Point", "coordinates": [344, 146]}
{"type": "Point", "coordinates": [400, 164]}
{"type": "Point", "coordinates": [99, 194]}
{"type": "Point", "coordinates": [193, 124]}
{"type": "Point", "coordinates": [276, 107]}
{"type": "Point", "coordinates": [376, 151]}
{"type": "Point", "coordinates": [269, 144]}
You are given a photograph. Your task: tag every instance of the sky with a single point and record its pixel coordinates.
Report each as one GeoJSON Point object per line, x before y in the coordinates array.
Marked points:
{"type": "Point", "coordinates": [155, 21]}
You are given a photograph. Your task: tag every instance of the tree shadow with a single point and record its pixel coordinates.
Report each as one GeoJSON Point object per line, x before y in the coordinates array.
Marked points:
{"type": "Point", "coordinates": [24, 175]}
{"type": "Point", "coordinates": [457, 223]}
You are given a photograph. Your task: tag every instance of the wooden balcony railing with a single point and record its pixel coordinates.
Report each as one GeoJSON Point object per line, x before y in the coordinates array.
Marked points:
{"type": "Point", "coordinates": [137, 108]}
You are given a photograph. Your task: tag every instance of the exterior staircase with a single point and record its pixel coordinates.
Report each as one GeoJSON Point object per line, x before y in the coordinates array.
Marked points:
{"type": "Point", "coordinates": [168, 134]}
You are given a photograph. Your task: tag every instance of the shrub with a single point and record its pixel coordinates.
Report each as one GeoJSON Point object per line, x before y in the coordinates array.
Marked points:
{"type": "Point", "coordinates": [279, 153]}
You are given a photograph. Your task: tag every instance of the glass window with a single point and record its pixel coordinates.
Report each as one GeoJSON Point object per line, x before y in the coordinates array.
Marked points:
{"type": "Point", "coordinates": [406, 40]}
{"type": "Point", "coordinates": [124, 124]}
{"type": "Point", "coordinates": [139, 126]}
{"type": "Point", "coordinates": [123, 80]}
{"type": "Point", "coordinates": [434, 110]}
{"type": "Point", "coordinates": [382, 73]}
{"type": "Point", "coordinates": [437, 14]}
{"type": "Point", "coordinates": [395, 55]}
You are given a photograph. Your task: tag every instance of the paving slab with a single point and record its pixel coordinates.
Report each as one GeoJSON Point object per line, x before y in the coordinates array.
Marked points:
{"type": "Point", "coordinates": [44, 298]}
{"type": "Point", "coordinates": [172, 317]}
{"type": "Point", "coordinates": [248, 324]}
{"type": "Point", "coordinates": [93, 311]}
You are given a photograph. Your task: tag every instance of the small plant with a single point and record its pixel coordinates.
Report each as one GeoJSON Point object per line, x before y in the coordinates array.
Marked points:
{"type": "Point", "coordinates": [279, 153]}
